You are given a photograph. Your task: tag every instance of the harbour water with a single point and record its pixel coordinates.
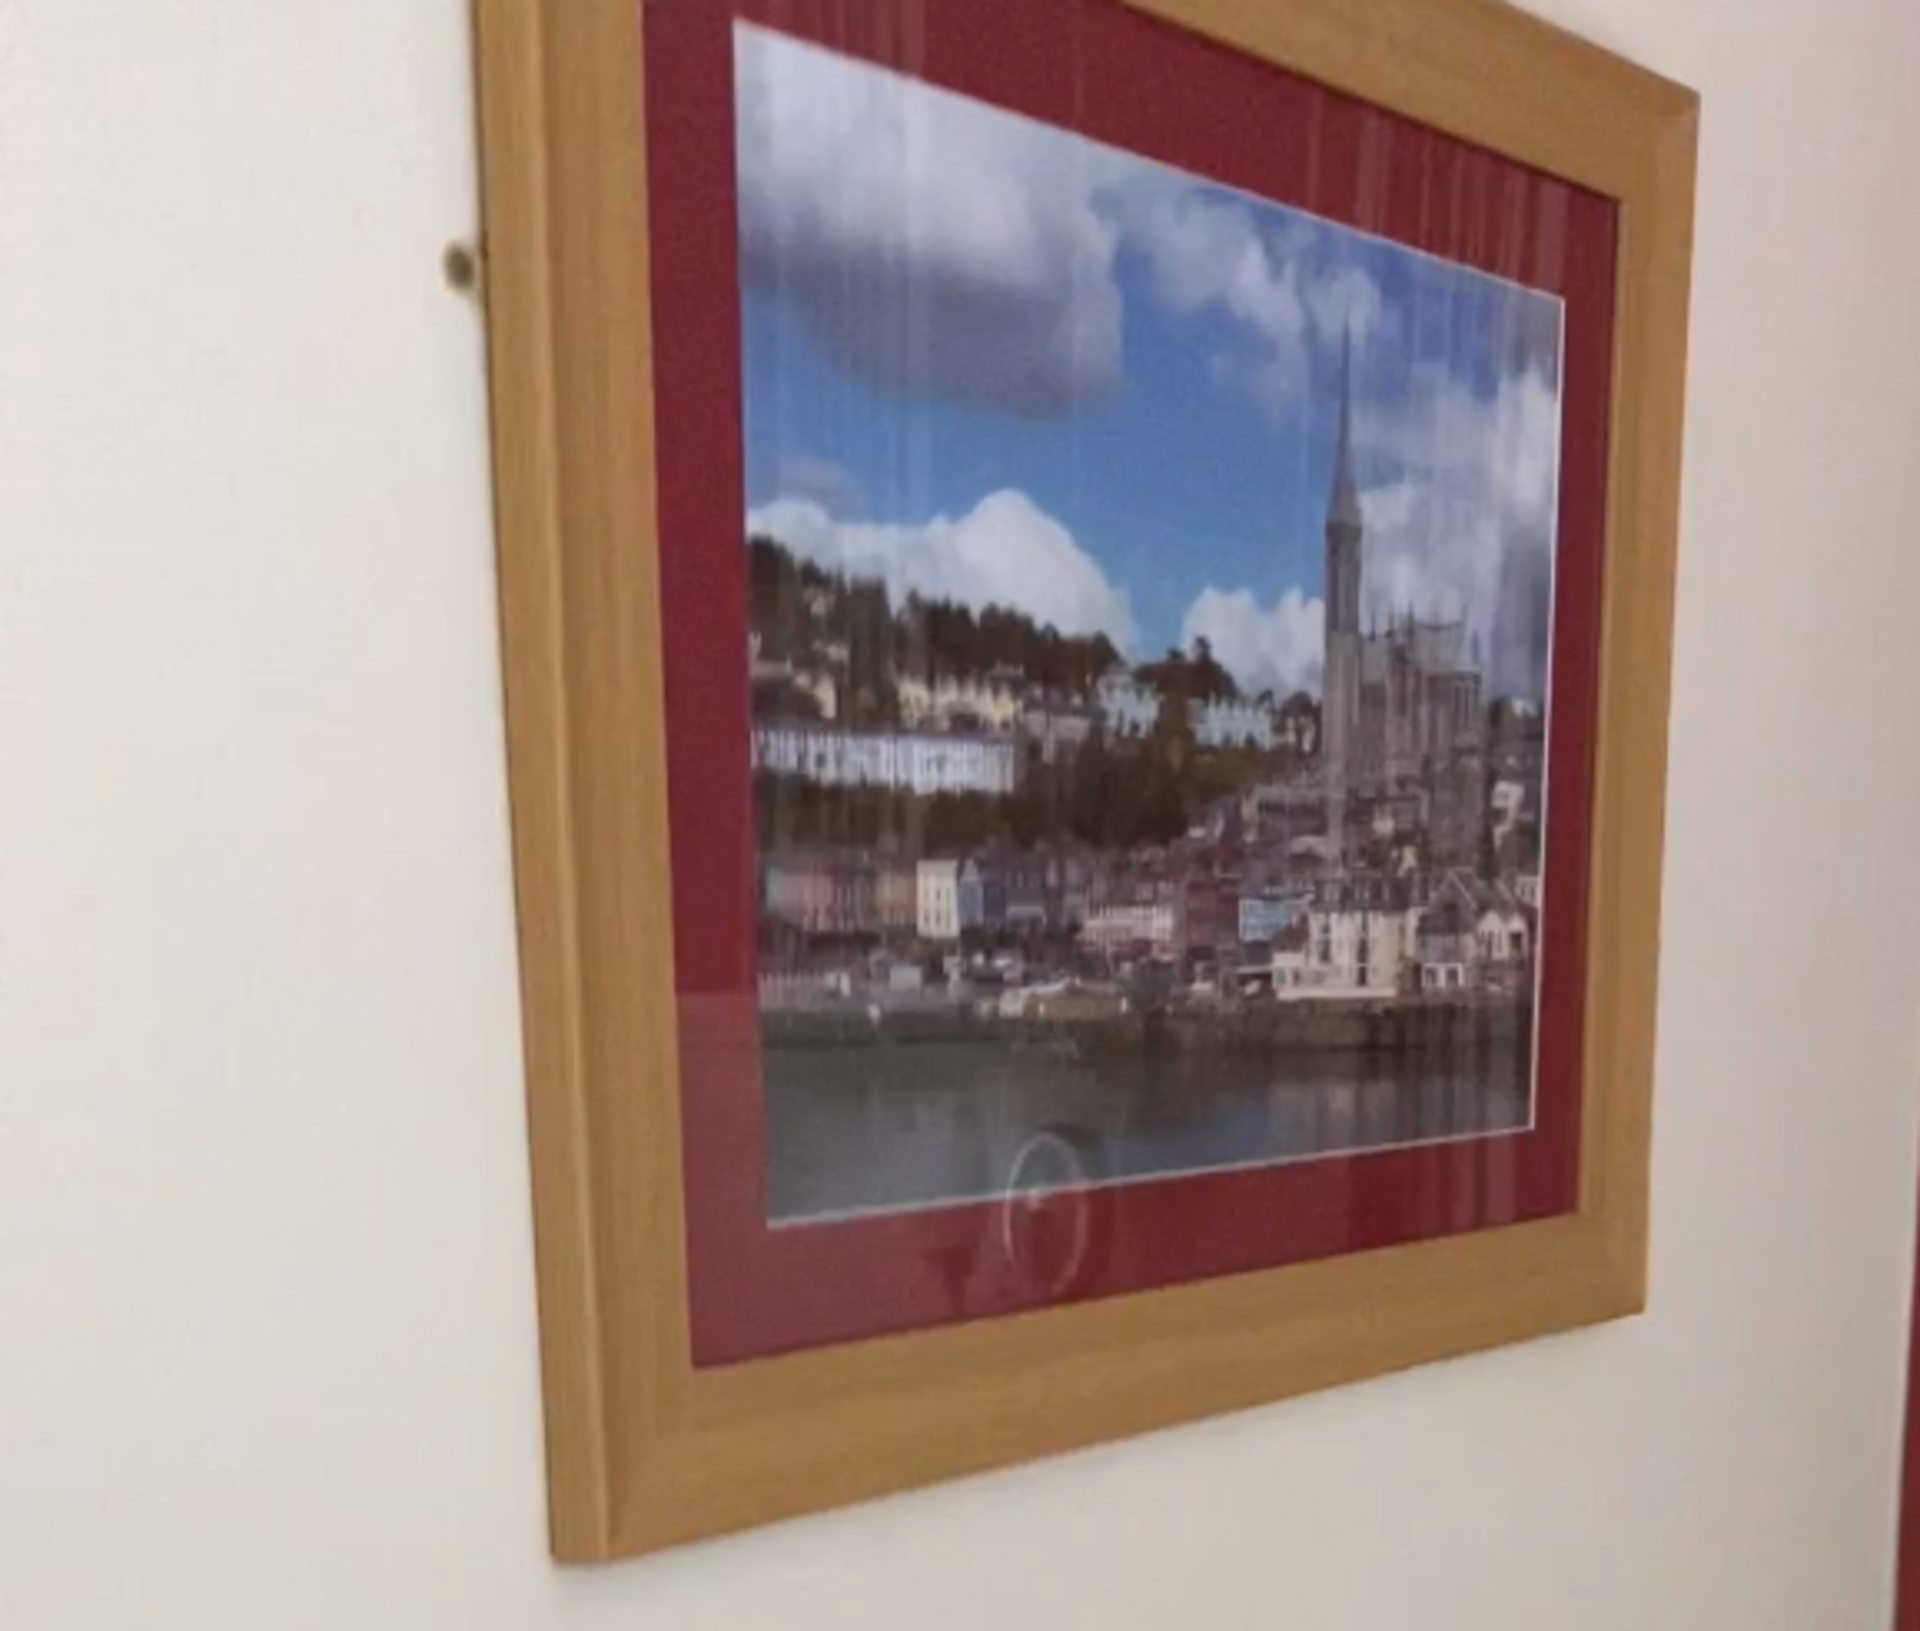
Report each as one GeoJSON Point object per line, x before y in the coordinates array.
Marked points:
{"type": "Point", "coordinates": [892, 1125]}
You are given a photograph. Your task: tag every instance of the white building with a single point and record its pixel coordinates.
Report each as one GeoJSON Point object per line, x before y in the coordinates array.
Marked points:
{"type": "Point", "coordinates": [1506, 803]}
{"type": "Point", "coordinates": [1127, 707]}
{"type": "Point", "coordinates": [1225, 723]}
{"type": "Point", "coordinates": [1114, 928]}
{"type": "Point", "coordinates": [919, 764]}
{"type": "Point", "coordinates": [1057, 729]}
{"type": "Point", "coordinates": [1446, 946]}
{"type": "Point", "coordinates": [1503, 935]}
{"type": "Point", "coordinates": [937, 900]}
{"type": "Point", "coordinates": [1360, 936]}
{"type": "Point", "coordinates": [1292, 965]}
{"type": "Point", "coordinates": [949, 898]}
{"type": "Point", "coordinates": [1265, 917]}
{"type": "Point", "coordinates": [814, 683]}
{"type": "Point", "coordinates": [994, 701]}
{"type": "Point", "coordinates": [1130, 709]}
{"type": "Point", "coordinates": [1359, 951]}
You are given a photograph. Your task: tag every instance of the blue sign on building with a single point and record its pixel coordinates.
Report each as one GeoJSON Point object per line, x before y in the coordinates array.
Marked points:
{"type": "Point", "coordinates": [1262, 917]}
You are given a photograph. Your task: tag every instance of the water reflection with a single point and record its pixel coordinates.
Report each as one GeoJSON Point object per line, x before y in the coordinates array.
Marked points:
{"type": "Point", "coordinates": [891, 1125]}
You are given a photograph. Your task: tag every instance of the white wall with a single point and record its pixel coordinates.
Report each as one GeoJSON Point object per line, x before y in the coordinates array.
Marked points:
{"type": "Point", "coordinates": [266, 1332]}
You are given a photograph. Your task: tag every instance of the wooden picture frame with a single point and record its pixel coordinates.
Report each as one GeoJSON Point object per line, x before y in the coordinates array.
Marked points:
{"type": "Point", "coordinates": [645, 1449]}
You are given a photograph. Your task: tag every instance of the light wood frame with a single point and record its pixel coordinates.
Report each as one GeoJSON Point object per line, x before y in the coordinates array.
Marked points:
{"type": "Point", "coordinates": [644, 1451]}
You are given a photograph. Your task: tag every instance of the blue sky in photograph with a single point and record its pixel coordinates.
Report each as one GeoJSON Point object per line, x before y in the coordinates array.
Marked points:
{"type": "Point", "coordinates": [990, 359]}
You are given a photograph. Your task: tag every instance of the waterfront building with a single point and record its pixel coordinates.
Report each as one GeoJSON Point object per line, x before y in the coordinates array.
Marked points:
{"type": "Point", "coordinates": [821, 893]}
{"type": "Point", "coordinates": [1079, 874]}
{"type": "Point", "coordinates": [1021, 890]}
{"type": "Point", "coordinates": [1446, 946]}
{"type": "Point", "coordinates": [1503, 931]}
{"type": "Point", "coordinates": [1292, 962]}
{"type": "Point", "coordinates": [797, 890]}
{"type": "Point", "coordinates": [1264, 916]}
{"type": "Point", "coordinates": [896, 896]}
{"type": "Point", "coordinates": [1122, 927]}
{"type": "Point", "coordinates": [936, 900]}
{"type": "Point", "coordinates": [948, 898]}
{"type": "Point", "coordinates": [1206, 913]}
{"type": "Point", "coordinates": [1360, 929]}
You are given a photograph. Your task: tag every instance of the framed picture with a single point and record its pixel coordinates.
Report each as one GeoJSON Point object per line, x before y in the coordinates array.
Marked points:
{"type": "Point", "coordinates": [1086, 602]}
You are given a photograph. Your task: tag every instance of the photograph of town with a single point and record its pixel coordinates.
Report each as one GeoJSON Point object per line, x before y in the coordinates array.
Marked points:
{"type": "Point", "coordinates": [1149, 597]}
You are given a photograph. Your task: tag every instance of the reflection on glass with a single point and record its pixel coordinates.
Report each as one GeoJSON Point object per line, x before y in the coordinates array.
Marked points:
{"type": "Point", "coordinates": [1149, 591]}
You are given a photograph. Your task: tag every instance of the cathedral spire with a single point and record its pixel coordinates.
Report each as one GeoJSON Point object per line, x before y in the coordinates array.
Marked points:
{"type": "Point", "coordinates": [1344, 506]}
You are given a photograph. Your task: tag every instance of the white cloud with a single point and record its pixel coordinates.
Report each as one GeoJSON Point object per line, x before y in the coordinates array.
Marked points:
{"type": "Point", "coordinates": [801, 475]}
{"type": "Point", "coordinates": [1207, 252]}
{"type": "Point", "coordinates": [1460, 523]}
{"type": "Point", "coordinates": [1465, 525]}
{"type": "Point", "coordinates": [1276, 648]}
{"type": "Point", "coordinates": [936, 245]}
{"type": "Point", "coordinates": [1346, 300]}
{"type": "Point", "coordinates": [1273, 279]}
{"type": "Point", "coordinates": [931, 243]}
{"type": "Point", "coordinates": [1005, 551]}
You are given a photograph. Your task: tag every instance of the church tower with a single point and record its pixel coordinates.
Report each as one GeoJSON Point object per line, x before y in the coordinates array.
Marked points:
{"type": "Point", "coordinates": [1340, 684]}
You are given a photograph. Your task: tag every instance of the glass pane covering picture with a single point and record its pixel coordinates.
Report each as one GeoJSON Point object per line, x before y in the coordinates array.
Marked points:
{"type": "Point", "coordinates": [1149, 591]}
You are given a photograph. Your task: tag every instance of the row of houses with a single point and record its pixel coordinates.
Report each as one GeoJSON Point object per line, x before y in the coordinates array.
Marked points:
{"type": "Point", "coordinates": [832, 756]}
{"type": "Point", "coordinates": [842, 893]}
{"type": "Point", "coordinates": [1004, 702]}
{"type": "Point", "coordinates": [1109, 904]}
{"type": "Point", "coordinates": [1127, 707]}
{"type": "Point", "coordinates": [1350, 931]}
{"type": "Point", "coordinates": [1432, 932]}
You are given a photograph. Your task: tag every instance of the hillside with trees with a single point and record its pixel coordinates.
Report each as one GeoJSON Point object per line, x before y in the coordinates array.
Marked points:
{"type": "Point", "coordinates": [810, 617]}
{"type": "Point", "coordinates": [1106, 793]}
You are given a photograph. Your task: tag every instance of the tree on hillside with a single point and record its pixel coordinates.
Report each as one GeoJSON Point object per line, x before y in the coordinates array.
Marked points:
{"type": "Point", "coordinates": [866, 624]}
{"type": "Point", "coordinates": [777, 584]}
{"type": "Point", "coordinates": [1196, 676]}
{"type": "Point", "coordinates": [922, 635]}
{"type": "Point", "coordinates": [1167, 802]}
